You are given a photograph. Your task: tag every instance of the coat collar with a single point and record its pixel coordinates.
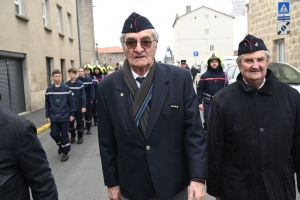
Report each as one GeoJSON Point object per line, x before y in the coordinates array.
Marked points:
{"type": "Point", "coordinates": [159, 93]}
{"type": "Point", "coordinates": [265, 89]}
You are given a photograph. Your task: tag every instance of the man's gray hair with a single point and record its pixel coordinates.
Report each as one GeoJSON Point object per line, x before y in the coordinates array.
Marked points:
{"type": "Point", "coordinates": [239, 58]}
{"type": "Point", "coordinates": [154, 32]}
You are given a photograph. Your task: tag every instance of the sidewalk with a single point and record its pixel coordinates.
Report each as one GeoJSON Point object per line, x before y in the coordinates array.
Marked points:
{"type": "Point", "coordinates": [38, 118]}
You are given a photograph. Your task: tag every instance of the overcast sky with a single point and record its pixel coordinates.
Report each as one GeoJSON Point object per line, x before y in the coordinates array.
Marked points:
{"type": "Point", "coordinates": [109, 17]}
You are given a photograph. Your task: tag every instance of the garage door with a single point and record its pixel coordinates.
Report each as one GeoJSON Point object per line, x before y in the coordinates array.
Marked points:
{"type": "Point", "coordinates": [11, 85]}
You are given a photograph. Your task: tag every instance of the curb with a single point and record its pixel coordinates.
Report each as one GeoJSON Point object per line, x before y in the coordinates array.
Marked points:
{"type": "Point", "coordinates": [43, 128]}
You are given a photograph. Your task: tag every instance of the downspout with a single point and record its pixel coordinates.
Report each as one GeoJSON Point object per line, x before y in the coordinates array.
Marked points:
{"type": "Point", "coordinates": [78, 30]}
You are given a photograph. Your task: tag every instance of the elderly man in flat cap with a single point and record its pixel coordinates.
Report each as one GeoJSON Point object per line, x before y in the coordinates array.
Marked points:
{"type": "Point", "coordinates": [254, 132]}
{"type": "Point", "coordinates": [151, 142]}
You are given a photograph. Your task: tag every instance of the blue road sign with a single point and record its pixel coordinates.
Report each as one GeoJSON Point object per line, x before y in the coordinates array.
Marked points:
{"type": "Point", "coordinates": [195, 53]}
{"type": "Point", "coordinates": [283, 8]}
{"type": "Point", "coordinates": [283, 18]}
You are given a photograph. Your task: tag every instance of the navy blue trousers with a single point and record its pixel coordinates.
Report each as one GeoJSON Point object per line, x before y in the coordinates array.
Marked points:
{"type": "Point", "coordinates": [59, 133]}
{"type": "Point", "coordinates": [206, 106]}
{"type": "Point", "coordinates": [94, 111]}
{"type": "Point", "coordinates": [88, 115]}
{"type": "Point", "coordinates": [79, 124]}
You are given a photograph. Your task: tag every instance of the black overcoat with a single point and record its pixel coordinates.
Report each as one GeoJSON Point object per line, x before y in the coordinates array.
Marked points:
{"type": "Point", "coordinates": [254, 141]}
{"type": "Point", "coordinates": [175, 147]}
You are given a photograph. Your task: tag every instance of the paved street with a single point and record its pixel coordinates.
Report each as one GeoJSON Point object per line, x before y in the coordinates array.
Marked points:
{"type": "Point", "coordinates": [81, 176]}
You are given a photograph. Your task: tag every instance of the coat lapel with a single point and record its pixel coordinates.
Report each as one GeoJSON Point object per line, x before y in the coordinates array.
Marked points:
{"type": "Point", "coordinates": [159, 94]}
{"type": "Point", "coordinates": [122, 94]}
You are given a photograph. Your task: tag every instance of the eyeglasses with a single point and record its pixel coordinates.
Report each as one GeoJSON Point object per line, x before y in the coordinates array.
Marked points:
{"type": "Point", "coordinates": [146, 44]}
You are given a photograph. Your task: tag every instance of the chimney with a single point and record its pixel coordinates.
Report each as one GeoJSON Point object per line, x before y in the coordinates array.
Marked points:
{"type": "Point", "coordinates": [188, 9]}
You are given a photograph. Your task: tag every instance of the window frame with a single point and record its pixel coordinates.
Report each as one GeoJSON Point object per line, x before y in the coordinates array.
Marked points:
{"type": "Point", "coordinates": [211, 47]}
{"type": "Point", "coordinates": [206, 32]}
{"type": "Point", "coordinates": [19, 4]}
{"type": "Point", "coordinates": [206, 18]}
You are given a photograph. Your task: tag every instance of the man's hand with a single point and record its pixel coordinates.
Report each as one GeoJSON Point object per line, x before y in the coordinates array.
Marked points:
{"type": "Point", "coordinates": [197, 191]}
{"type": "Point", "coordinates": [83, 110]}
{"type": "Point", "coordinates": [48, 120]}
{"type": "Point", "coordinates": [201, 107]}
{"type": "Point", "coordinates": [114, 193]}
{"type": "Point", "coordinates": [92, 102]}
{"type": "Point", "coordinates": [71, 118]}
{"type": "Point", "coordinates": [218, 198]}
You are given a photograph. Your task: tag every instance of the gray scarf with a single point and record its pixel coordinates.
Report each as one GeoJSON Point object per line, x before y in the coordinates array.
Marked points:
{"type": "Point", "coordinates": [139, 95]}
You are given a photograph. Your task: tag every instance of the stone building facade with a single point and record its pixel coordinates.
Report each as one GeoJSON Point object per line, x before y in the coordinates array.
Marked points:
{"type": "Point", "coordinates": [262, 23]}
{"type": "Point", "coordinates": [39, 36]}
{"type": "Point", "coordinates": [111, 56]}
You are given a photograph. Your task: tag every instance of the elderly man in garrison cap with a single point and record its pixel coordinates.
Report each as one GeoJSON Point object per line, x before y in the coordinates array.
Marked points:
{"type": "Point", "coordinates": [254, 132]}
{"type": "Point", "coordinates": [151, 142]}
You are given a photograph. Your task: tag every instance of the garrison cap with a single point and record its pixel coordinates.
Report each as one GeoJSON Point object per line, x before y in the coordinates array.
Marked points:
{"type": "Point", "coordinates": [183, 61]}
{"type": "Point", "coordinates": [251, 44]}
{"type": "Point", "coordinates": [136, 23]}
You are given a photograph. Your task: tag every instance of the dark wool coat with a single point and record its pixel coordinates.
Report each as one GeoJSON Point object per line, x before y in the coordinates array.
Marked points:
{"type": "Point", "coordinates": [254, 141]}
{"type": "Point", "coordinates": [175, 148]}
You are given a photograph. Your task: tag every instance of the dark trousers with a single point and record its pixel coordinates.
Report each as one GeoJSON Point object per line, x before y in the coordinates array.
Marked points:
{"type": "Point", "coordinates": [183, 195]}
{"type": "Point", "coordinates": [79, 124]}
{"type": "Point", "coordinates": [88, 115]}
{"type": "Point", "coordinates": [94, 111]}
{"type": "Point", "coordinates": [59, 133]}
{"type": "Point", "coordinates": [206, 106]}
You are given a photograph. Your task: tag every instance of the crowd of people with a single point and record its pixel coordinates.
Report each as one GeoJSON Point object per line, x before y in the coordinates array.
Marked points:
{"type": "Point", "coordinates": [152, 142]}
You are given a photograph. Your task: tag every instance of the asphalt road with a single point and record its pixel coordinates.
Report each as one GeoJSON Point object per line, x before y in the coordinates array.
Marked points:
{"type": "Point", "coordinates": [80, 178]}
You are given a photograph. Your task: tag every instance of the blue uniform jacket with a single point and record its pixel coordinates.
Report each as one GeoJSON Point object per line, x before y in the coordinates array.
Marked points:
{"type": "Point", "coordinates": [78, 93]}
{"type": "Point", "coordinates": [59, 103]}
{"type": "Point", "coordinates": [210, 83]}
{"type": "Point", "coordinates": [88, 88]}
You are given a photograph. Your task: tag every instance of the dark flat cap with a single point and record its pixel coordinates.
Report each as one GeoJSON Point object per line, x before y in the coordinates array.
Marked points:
{"type": "Point", "coordinates": [251, 44]}
{"type": "Point", "coordinates": [136, 23]}
{"type": "Point", "coordinates": [183, 61]}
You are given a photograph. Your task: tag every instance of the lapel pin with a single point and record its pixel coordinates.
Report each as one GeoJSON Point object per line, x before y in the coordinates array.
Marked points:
{"type": "Point", "coordinates": [131, 26]}
{"type": "Point", "coordinates": [121, 94]}
{"type": "Point", "coordinates": [174, 106]}
{"type": "Point", "coordinates": [256, 44]}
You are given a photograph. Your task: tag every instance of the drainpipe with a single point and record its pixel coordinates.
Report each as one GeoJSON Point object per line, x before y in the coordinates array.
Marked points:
{"type": "Point", "coordinates": [78, 29]}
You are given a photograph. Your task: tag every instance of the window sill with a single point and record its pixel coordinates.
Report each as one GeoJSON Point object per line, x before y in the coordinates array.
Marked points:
{"type": "Point", "coordinates": [70, 38]}
{"type": "Point", "coordinates": [47, 28]}
{"type": "Point", "coordinates": [22, 17]}
{"type": "Point", "coordinates": [61, 35]}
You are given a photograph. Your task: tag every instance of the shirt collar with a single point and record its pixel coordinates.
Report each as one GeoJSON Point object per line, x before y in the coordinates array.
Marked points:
{"type": "Point", "coordinates": [135, 75]}
{"type": "Point", "coordinates": [261, 84]}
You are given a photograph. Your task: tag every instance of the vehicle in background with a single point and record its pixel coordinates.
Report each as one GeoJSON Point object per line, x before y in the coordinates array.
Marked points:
{"type": "Point", "coordinates": [283, 72]}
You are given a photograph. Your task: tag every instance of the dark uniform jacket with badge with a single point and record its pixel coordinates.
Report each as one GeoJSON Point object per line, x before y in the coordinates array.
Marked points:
{"type": "Point", "coordinates": [78, 93]}
{"type": "Point", "coordinates": [212, 81]}
{"type": "Point", "coordinates": [59, 103]}
{"type": "Point", "coordinates": [88, 88]}
{"type": "Point", "coordinates": [175, 147]}
{"type": "Point", "coordinates": [254, 141]}
{"type": "Point", "coordinates": [23, 161]}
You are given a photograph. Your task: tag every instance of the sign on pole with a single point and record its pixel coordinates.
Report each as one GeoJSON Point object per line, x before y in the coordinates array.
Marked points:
{"type": "Point", "coordinates": [283, 28]}
{"type": "Point", "coordinates": [283, 8]}
{"type": "Point", "coordinates": [195, 53]}
{"type": "Point", "coordinates": [283, 18]}
{"type": "Point", "coordinates": [238, 8]}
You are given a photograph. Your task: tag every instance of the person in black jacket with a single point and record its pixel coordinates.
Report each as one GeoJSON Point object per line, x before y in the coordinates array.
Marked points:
{"type": "Point", "coordinates": [213, 80]}
{"type": "Point", "coordinates": [89, 96]}
{"type": "Point", "coordinates": [78, 94]}
{"type": "Point", "coordinates": [23, 161]}
{"type": "Point", "coordinates": [60, 108]}
{"type": "Point", "coordinates": [253, 133]}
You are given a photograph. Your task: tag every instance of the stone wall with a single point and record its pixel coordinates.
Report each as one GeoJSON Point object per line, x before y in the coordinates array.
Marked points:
{"type": "Point", "coordinates": [262, 23]}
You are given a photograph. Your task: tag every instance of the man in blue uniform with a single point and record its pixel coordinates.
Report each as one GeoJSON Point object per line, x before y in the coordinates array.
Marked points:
{"type": "Point", "coordinates": [151, 142]}
{"type": "Point", "coordinates": [89, 96]}
{"type": "Point", "coordinates": [210, 83]}
{"type": "Point", "coordinates": [60, 108]}
{"type": "Point", "coordinates": [78, 94]}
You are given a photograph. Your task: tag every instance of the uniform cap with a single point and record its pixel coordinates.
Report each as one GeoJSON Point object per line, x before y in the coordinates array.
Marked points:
{"type": "Point", "coordinates": [183, 61]}
{"type": "Point", "coordinates": [136, 23]}
{"type": "Point", "coordinates": [251, 44]}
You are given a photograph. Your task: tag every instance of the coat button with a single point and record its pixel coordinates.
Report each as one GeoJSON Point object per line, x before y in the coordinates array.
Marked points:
{"type": "Point", "coordinates": [148, 148]}
{"type": "Point", "coordinates": [261, 130]}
